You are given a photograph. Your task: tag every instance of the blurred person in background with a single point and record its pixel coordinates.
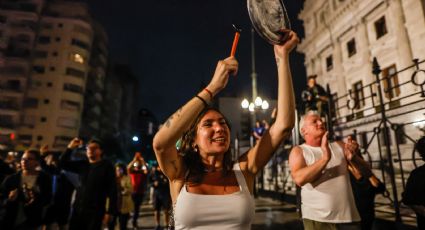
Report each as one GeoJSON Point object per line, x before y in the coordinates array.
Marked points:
{"type": "Point", "coordinates": [124, 201]}
{"type": "Point", "coordinates": [138, 171]}
{"type": "Point", "coordinates": [97, 184]}
{"type": "Point", "coordinates": [25, 195]}
{"type": "Point", "coordinates": [161, 196]}
{"type": "Point", "coordinates": [62, 189]}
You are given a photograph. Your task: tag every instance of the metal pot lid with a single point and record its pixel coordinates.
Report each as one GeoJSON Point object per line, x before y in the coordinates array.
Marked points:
{"type": "Point", "coordinates": [270, 19]}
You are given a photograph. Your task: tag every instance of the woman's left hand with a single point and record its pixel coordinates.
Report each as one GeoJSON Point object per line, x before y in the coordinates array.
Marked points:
{"type": "Point", "coordinates": [286, 47]}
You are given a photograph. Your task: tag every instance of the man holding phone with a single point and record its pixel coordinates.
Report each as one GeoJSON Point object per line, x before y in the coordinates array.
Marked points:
{"type": "Point", "coordinates": [97, 184]}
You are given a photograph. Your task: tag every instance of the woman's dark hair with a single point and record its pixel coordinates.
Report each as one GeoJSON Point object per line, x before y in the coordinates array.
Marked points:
{"type": "Point", "coordinates": [192, 158]}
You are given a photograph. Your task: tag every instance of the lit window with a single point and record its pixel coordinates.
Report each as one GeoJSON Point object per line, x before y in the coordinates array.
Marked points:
{"type": "Point", "coordinates": [77, 58]}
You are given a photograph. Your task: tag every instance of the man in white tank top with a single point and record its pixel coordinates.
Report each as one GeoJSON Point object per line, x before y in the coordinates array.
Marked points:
{"type": "Point", "coordinates": [320, 168]}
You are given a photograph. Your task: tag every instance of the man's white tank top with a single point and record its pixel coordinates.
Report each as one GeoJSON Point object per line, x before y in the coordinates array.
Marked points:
{"type": "Point", "coordinates": [329, 198]}
{"type": "Point", "coordinates": [231, 211]}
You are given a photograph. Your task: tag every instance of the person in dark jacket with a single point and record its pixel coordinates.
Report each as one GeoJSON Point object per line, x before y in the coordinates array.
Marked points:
{"type": "Point", "coordinates": [413, 195]}
{"type": "Point", "coordinates": [62, 190]}
{"type": "Point", "coordinates": [97, 185]}
{"type": "Point", "coordinates": [25, 195]}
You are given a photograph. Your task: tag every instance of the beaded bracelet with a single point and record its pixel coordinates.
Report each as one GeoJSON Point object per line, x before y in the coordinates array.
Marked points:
{"type": "Point", "coordinates": [209, 92]}
{"type": "Point", "coordinates": [203, 100]}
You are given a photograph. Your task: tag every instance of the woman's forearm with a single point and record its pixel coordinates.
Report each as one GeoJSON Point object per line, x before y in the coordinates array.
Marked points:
{"type": "Point", "coordinates": [285, 118]}
{"type": "Point", "coordinates": [180, 121]}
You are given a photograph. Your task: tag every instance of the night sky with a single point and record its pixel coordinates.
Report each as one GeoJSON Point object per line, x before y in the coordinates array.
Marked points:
{"type": "Point", "coordinates": [173, 47]}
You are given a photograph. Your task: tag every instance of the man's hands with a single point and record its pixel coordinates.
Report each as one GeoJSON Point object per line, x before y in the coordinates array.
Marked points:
{"type": "Point", "coordinates": [350, 148]}
{"type": "Point", "coordinates": [13, 195]}
{"type": "Point", "coordinates": [325, 148]}
{"type": "Point", "coordinates": [221, 76]}
{"type": "Point", "coordinates": [74, 143]}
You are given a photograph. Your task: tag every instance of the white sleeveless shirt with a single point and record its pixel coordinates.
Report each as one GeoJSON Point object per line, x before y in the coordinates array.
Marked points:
{"type": "Point", "coordinates": [329, 198]}
{"type": "Point", "coordinates": [231, 211]}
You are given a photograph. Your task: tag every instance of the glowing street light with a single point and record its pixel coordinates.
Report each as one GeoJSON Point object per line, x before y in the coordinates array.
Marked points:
{"type": "Point", "coordinates": [135, 138]}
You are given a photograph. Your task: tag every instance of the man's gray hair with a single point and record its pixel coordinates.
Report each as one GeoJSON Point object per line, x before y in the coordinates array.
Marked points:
{"type": "Point", "coordinates": [302, 119]}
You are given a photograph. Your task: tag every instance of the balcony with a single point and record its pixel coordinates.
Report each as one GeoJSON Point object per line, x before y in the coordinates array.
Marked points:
{"type": "Point", "coordinates": [11, 91]}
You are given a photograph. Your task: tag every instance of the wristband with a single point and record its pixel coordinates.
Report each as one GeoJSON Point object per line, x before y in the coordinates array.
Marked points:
{"type": "Point", "coordinates": [209, 92]}
{"type": "Point", "coordinates": [203, 100]}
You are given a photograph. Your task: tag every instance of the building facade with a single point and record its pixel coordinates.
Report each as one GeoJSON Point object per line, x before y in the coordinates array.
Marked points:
{"type": "Point", "coordinates": [52, 67]}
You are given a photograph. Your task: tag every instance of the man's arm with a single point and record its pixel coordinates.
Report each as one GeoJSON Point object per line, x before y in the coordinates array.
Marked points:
{"type": "Point", "coordinates": [300, 172]}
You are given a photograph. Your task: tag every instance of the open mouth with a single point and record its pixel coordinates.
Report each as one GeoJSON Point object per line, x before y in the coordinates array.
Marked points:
{"type": "Point", "coordinates": [219, 140]}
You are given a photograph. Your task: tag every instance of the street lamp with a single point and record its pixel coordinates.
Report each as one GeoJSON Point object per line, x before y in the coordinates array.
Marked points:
{"type": "Point", "coordinates": [135, 138]}
{"type": "Point", "coordinates": [258, 103]}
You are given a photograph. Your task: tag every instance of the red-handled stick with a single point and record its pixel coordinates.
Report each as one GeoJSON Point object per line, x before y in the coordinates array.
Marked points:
{"type": "Point", "coordinates": [235, 40]}
{"type": "Point", "coordinates": [235, 44]}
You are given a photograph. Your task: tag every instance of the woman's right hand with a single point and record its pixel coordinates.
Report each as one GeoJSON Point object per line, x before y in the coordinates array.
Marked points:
{"type": "Point", "coordinates": [221, 76]}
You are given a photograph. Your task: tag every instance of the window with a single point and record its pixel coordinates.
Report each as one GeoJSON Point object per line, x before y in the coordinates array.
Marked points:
{"type": "Point", "coordinates": [75, 72]}
{"type": "Point", "coordinates": [358, 95]}
{"type": "Point", "coordinates": [25, 137]}
{"type": "Point", "coordinates": [78, 58]}
{"type": "Point", "coordinates": [351, 47]}
{"type": "Point", "coordinates": [29, 121]}
{"type": "Point", "coordinates": [43, 119]}
{"type": "Point", "coordinates": [40, 54]}
{"type": "Point", "coordinates": [70, 105]}
{"type": "Point", "coordinates": [380, 27]}
{"type": "Point", "coordinates": [83, 30]}
{"type": "Point", "coordinates": [329, 63]}
{"type": "Point", "coordinates": [46, 25]}
{"type": "Point", "coordinates": [34, 84]}
{"type": "Point", "coordinates": [67, 122]}
{"type": "Point", "coordinates": [390, 82]}
{"type": "Point", "coordinates": [44, 39]}
{"type": "Point", "coordinates": [80, 44]}
{"type": "Point", "coordinates": [55, 54]}
{"type": "Point", "coordinates": [39, 138]}
{"type": "Point", "coordinates": [400, 134]}
{"type": "Point", "coordinates": [52, 68]}
{"type": "Point", "coordinates": [31, 102]}
{"type": "Point", "coordinates": [18, 70]}
{"type": "Point", "coordinates": [58, 39]}
{"type": "Point", "coordinates": [49, 84]}
{"type": "Point", "coordinates": [382, 139]}
{"type": "Point", "coordinates": [46, 101]}
{"type": "Point", "coordinates": [73, 88]}
{"type": "Point", "coordinates": [60, 25]}
{"type": "Point", "coordinates": [38, 69]}
{"type": "Point", "coordinates": [363, 139]}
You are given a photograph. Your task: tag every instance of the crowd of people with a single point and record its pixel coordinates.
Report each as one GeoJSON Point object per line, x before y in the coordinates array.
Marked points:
{"type": "Point", "coordinates": [49, 190]}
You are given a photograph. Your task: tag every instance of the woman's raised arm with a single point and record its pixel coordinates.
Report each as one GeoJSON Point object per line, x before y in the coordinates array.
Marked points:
{"type": "Point", "coordinates": [281, 129]}
{"type": "Point", "coordinates": [164, 142]}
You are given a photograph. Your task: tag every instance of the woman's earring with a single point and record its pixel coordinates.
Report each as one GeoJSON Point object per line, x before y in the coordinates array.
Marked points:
{"type": "Point", "coordinates": [195, 148]}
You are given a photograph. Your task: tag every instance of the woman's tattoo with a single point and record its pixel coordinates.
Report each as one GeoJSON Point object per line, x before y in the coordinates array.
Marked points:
{"type": "Point", "coordinates": [168, 122]}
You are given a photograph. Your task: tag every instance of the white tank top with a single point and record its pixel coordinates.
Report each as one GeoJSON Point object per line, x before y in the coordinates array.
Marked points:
{"type": "Point", "coordinates": [231, 211]}
{"type": "Point", "coordinates": [329, 198]}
